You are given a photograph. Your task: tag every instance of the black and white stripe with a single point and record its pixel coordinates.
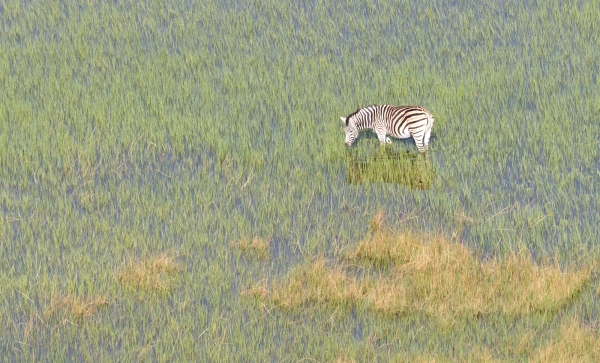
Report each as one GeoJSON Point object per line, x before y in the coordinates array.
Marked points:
{"type": "Point", "coordinates": [400, 122]}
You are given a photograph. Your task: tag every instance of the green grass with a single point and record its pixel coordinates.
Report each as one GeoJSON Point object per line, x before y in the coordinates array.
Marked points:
{"type": "Point", "coordinates": [133, 129]}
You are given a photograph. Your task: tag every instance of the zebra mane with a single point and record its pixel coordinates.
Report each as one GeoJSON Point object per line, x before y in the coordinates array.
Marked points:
{"type": "Point", "coordinates": [357, 111]}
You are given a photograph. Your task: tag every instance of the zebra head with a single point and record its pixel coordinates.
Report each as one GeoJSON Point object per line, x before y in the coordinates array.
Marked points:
{"type": "Point", "coordinates": [351, 130]}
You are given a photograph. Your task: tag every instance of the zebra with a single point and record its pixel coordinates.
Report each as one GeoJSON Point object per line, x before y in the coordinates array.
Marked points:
{"type": "Point", "coordinates": [400, 122]}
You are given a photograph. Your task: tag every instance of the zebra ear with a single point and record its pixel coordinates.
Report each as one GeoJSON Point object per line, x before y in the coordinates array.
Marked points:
{"type": "Point", "coordinates": [343, 120]}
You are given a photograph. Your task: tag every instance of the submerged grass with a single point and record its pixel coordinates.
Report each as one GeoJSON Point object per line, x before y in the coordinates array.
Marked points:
{"type": "Point", "coordinates": [387, 166]}
{"type": "Point", "coordinates": [573, 342]}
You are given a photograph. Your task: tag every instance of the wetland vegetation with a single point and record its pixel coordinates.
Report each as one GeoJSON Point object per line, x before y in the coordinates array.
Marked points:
{"type": "Point", "coordinates": [174, 184]}
{"type": "Point", "coordinates": [383, 165]}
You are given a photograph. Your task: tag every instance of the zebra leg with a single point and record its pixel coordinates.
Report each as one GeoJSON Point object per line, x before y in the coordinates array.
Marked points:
{"type": "Point", "coordinates": [382, 137]}
{"type": "Point", "coordinates": [419, 138]}
{"type": "Point", "coordinates": [426, 139]}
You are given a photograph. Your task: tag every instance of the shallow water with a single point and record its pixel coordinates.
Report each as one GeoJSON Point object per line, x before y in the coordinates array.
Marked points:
{"type": "Point", "coordinates": [139, 128]}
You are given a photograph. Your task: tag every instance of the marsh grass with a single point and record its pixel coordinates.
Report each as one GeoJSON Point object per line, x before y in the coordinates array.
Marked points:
{"type": "Point", "coordinates": [255, 246]}
{"type": "Point", "coordinates": [129, 128]}
{"type": "Point", "coordinates": [442, 278]}
{"type": "Point", "coordinates": [415, 171]}
{"type": "Point", "coordinates": [158, 273]}
{"type": "Point", "coordinates": [259, 290]}
{"type": "Point", "coordinates": [573, 342]}
{"type": "Point", "coordinates": [76, 307]}
{"type": "Point", "coordinates": [378, 221]}
{"type": "Point", "coordinates": [432, 276]}
{"type": "Point", "coordinates": [475, 354]}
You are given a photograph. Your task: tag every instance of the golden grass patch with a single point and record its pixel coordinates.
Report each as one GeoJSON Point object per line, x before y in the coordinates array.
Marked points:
{"type": "Point", "coordinates": [574, 343]}
{"type": "Point", "coordinates": [259, 290]}
{"type": "Point", "coordinates": [256, 246]}
{"type": "Point", "coordinates": [157, 273]}
{"type": "Point", "coordinates": [78, 307]}
{"type": "Point", "coordinates": [316, 282]}
{"type": "Point", "coordinates": [431, 276]}
{"type": "Point", "coordinates": [344, 360]}
{"type": "Point", "coordinates": [378, 220]}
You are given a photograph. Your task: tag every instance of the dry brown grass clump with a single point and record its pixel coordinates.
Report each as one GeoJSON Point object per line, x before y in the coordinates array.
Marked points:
{"type": "Point", "coordinates": [256, 246]}
{"type": "Point", "coordinates": [431, 276]}
{"type": "Point", "coordinates": [575, 343]}
{"type": "Point", "coordinates": [378, 220]}
{"type": "Point", "coordinates": [78, 307]}
{"type": "Point", "coordinates": [157, 274]}
{"type": "Point", "coordinates": [439, 277]}
{"type": "Point", "coordinates": [316, 282]}
{"type": "Point", "coordinates": [344, 360]}
{"type": "Point", "coordinates": [380, 251]}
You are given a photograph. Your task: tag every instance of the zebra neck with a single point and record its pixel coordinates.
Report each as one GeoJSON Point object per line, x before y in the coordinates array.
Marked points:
{"type": "Point", "coordinates": [363, 124]}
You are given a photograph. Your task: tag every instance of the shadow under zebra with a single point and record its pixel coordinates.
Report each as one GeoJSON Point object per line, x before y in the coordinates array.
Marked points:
{"type": "Point", "coordinates": [415, 170]}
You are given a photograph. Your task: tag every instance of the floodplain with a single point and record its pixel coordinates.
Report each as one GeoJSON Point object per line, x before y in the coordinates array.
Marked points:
{"type": "Point", "coordinates": [174, 184]}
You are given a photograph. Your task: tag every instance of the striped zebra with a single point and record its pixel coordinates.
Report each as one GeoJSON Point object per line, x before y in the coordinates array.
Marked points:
{"type": "Point", "coordinates": [400, 122]}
